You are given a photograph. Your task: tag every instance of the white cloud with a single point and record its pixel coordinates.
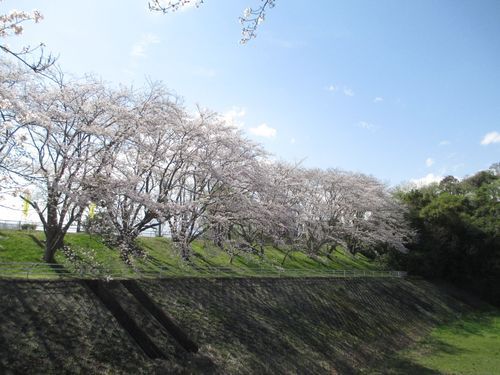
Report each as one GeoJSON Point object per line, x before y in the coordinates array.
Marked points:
{"type": "Point", "coordinates": [331, 88]}
{"type": "Point", "coordinates": [367, 126]}
{"type": "Point", "coordinates": [234, 117]}
{"type": "Point", "coordinates": [444, 143]}
{"type": "Point", "coordinates": [140, 47]}
{"type": "Point", "coordinates": [293, 141]}
{"type": "Point", "coordinates": [491, 137]}
{"type": "Point", "coordinates": [378, 99]}
{"type": "Point", "coordinates": [427, 180]}
{"type": "Point", "coordinates": [348, 91]}
{"type": "Point", "coordinates": [263, 130]}
{"type": "Point", "coordinates": [429, 162]}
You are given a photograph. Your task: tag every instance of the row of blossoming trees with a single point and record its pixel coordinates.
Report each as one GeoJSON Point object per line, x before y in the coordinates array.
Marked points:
{"type": "Point", "coordinates": [143, 160]}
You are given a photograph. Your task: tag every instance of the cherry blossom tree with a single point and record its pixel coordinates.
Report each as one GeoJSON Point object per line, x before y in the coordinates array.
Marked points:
{"type": "Point", "coordinates": [322, 208]}
{"type": "Point", "coordinates": [251, 19]}
{"type": "Point", "coordinates": [11, 24]}
{"type": "Point", "coordinates": [373, 217]}
{"type": "Point", "coordinates": [133, 191]}
{"type": "Point", "coordinates": [220, 172]}
{"type": "Point", "coordinates": [64, 131]}
{"type": "Point", "coordinates": [348, 209]}
{"type": "Point", "coordinates": [268, 213]}
{"type": "Point", "coordinates": [11, 79]}
{"type": "Point", "coordinates": [180, 169]}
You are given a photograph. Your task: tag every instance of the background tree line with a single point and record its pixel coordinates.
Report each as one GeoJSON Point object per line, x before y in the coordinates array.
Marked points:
{"type": "Point", "coordinates": [458, 226]}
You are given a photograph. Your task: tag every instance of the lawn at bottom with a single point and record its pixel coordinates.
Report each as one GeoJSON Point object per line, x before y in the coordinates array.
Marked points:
{"type": "Point", "coordinates": [469, 345]}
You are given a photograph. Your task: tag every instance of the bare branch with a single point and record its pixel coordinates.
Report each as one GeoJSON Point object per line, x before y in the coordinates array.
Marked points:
{"type": "Point", "coordinates": [250, 21]}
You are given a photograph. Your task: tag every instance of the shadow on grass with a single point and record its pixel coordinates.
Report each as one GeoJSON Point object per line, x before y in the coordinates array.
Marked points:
{"type": "Point", "coordinates": [269, 326]}
{"type": "Point", "coordinates": [59, 327]}
{"type": "Point", "coordinates": [401, 366]}
{"type": "Point", "coordinates": [37, 241]}
{"type": "Point", "coordinates": [59, 269]}
{"type": "Point", "coordinates": [402, 363]}
{"type": "Point", "coordinates": [211, 266]}
{"type": "Point", "coordinates": [243, 326]}
{"type": "Point", "coordinates": [437, 347]}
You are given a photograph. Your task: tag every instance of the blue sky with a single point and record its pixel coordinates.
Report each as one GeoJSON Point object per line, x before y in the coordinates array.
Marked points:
{"type": "Point", "coordinates": [397, 89]}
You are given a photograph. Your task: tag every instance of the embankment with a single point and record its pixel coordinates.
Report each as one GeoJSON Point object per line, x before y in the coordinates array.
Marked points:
{"type": "Point", "coordinates": [195, 325]}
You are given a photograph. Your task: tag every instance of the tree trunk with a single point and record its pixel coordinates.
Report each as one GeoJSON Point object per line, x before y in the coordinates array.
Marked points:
{"type": "Point", "coordinates": [53, 241]}
{"type": "Point", "coordinates": [185, 252]}
{"type": "Point", "coordinates": [331, 248]}
{"type": "Point", "coordinates": [286, 256]}
{"type": "Point", "coordinates": [184, 249]}
{"type": "Point", "coordinates": [54, 235]}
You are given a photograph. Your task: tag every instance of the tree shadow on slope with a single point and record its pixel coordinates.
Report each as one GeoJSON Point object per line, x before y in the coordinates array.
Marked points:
{"type": "Point", "coordinates": [400, 366]}
{"type": "Point", "coordinates": [304, 326]}
{"type": "Point", "coordinates": [58, 327]}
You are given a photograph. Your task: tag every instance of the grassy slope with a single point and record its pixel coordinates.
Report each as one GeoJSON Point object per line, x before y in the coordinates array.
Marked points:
{"type": "Point", "coordinates": [469, 345]}
{"type": "Point", "coordinates": [22, 246]}
{"type": "Point", "coordinates": [244, 326]}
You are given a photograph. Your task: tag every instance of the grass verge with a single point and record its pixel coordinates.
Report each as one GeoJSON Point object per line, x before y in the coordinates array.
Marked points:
{"type": "Point", "coordinates": [469, 345]}
{"type": "Point", "coordinates": [162, 259]}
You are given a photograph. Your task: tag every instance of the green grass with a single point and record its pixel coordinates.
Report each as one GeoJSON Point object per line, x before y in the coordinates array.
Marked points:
{"type": "Point", "coordinates": [19, 246]}
{"type": "Point", "coordinates": [162, 258]}
{"type": "Point", "coordinates": [468, 345]}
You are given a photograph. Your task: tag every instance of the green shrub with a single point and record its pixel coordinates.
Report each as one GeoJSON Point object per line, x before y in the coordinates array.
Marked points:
{"type": "Point", "coordinates": [27, 226]}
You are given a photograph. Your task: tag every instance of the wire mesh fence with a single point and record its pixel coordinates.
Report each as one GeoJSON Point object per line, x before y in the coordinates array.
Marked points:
{"type": "Point", "coordinates": [38, 226]}
{"type": "Point", "coordinates": [20, 270]}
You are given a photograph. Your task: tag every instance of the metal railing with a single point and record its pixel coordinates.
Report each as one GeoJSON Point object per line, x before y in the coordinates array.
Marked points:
{"type": "Point", "coordinates": [38, 226]}
{"type": "Point", "coordinates": [20, 270]}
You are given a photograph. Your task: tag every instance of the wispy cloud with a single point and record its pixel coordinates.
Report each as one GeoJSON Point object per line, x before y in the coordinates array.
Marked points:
{"type": "Point", "coordinates": [444, 143]}
{"type": "Point", "coordinates": [234, 116]}
{"type": "Point", "coordinates": [348, 91]}
{"type": "Point", "coordinates": [139, 48]}
{"type": "Point", "coordinates": [263, 130]}
{"type": "Point", "coordinates": [427, 180]}
{"type": "Point", "coordinates": [293, 141]}
{"type": "Point", "coordinates": [378, 99]}
{"type": "Point", "coordinates": [429, 162]}
{"type": "Point", "coordinates": [491, 137]}
{"type": "Point", "coordinates": [367, 125]}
